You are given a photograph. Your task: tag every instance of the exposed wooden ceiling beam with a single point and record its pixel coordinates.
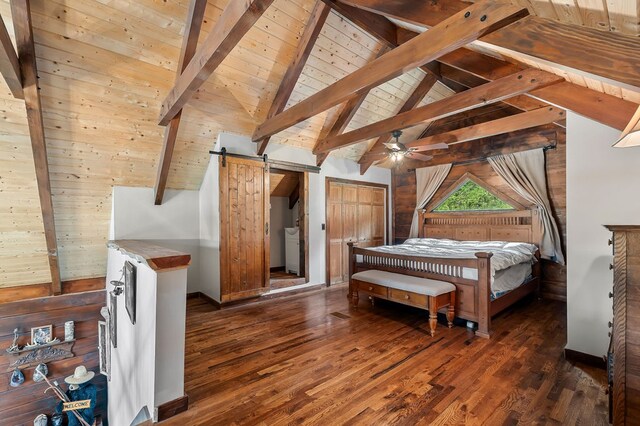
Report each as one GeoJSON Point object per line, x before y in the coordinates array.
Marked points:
{"type": "Point", "coordinates": [606, 109]}
{"type": "Point", "coordinates": [21, 11]}
{"type": "Point", "coordinates": [606, 56]}
{"type": "Point", "coordinates": [524, 120]}
{"type": "Point", "coordinates": [347, 111]}
{"type": "Point", "coordinates": [236, 19]}
{"type": "Point", "coordinates": [479, 19]}
{"type": "Point", "coordinates": [468, 118]}
{"type": "Point", "coordinates": [9, 64]}
{"type": "Point", "coordinates": [495, 91]}
{"type": "Point", "coordinates": [305, 45]}
{"type": "Point", "coordinates": [414, 99]}
{"type": "Point", "coordinates": [467, 80]}
{"type": "Point", "coordinates": [509, 143]}
{"type": "Point", "coordinates": [195, 16]}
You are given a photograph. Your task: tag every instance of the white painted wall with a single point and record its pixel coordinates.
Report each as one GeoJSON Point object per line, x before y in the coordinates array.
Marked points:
{"type": "Point", "coordinates": [209, 264]}
{"type": "Point", "coordinates": [171, 314]}
{"type": "Point", "coordinates": [602, 189]}
{"type": "Point", "coordinates": [281, 217]}
{"type": "Point", "coordinates": [147, 367]}
{"type": "Point", "coordinates": [138, 218]}
{"type": "Point", "coordinates": [332, 167]}
{"type": "Point", "coordinates": [174, 224]}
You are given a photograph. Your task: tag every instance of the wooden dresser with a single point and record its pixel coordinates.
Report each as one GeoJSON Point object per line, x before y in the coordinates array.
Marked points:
{"type": "Point", "coordinates": [625, 337]}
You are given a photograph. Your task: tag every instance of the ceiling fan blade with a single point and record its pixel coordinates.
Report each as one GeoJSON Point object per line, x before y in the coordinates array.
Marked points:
{"type": "Point", "coordinates": [421, 157]}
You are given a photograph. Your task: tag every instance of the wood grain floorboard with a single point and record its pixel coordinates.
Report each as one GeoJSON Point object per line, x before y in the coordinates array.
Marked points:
{"type": "Point", "coordinates": [314, 359]}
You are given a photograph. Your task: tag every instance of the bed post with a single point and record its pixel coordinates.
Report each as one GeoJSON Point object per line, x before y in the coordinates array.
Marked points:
{"type": "Point", "coordinates": [537, 273]}
{"type": "Point", "coordinates": [484, 295]}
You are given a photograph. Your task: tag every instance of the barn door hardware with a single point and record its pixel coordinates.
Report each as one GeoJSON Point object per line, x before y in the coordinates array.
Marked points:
{"type": "Point", "coordinates": [278, 164]}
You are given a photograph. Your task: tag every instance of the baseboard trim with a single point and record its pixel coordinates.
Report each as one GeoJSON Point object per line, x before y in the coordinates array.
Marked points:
{"type": "Point", "coordinates": [200, 295]}
{"type": "Point", "coordinates": [276, 268]}
{"type": "Point", "coordinates": [264, 297]}
{"type": "Point", "coordinates": [171, 408]}
{"type": "Point", "coordinates": [581, 357]}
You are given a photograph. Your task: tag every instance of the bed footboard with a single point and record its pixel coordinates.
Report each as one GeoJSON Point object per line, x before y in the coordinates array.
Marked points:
{"type": "Point", "coordinates": [477, 292]}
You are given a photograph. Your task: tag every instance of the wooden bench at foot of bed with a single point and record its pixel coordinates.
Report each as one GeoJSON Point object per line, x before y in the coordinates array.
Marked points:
{"type": "Point", "coordinates": [473, 297]}
{"type": "Point", "coordinates": [422, 293]}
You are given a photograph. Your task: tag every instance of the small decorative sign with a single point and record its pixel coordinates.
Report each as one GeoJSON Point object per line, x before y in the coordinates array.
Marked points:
{"type": "Point", "coordinates": [76, 405]}
{"type": "Point", "coordinates": [32, 356]}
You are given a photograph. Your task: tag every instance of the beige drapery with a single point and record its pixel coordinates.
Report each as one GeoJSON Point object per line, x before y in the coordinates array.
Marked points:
{"type": "Point", "coordinates": [525, 174]}
{"type": "Point", "coordinates": [428, 180]}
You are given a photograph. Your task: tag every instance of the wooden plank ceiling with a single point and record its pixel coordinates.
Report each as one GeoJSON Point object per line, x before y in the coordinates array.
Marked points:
{"type": "Point", "coordinates": [105, 66]}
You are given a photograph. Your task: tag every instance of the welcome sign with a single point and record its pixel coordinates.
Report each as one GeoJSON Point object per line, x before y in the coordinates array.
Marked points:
{"type": "Point", "coordinates": [76, 405]}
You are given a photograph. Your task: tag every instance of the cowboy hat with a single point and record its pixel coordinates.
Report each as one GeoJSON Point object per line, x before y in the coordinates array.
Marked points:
{"type": "Point", "coordinates": [80, 375]}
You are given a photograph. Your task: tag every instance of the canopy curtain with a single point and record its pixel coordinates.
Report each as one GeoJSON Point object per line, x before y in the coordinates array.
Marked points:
{"type": "Point", "coordinates": [525, 174]}
{"type": "Point", "coordinates": [428, 180]}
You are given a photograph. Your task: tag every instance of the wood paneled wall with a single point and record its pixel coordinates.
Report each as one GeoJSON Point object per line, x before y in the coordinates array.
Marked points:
{"type": "Point", "coordinates": [404, 202]}
{"type": "Point", "coordinates": [19, 406]}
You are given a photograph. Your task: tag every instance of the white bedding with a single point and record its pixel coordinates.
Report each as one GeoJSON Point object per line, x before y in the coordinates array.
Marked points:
{"type": "Point", "coordinates": [510, 263]}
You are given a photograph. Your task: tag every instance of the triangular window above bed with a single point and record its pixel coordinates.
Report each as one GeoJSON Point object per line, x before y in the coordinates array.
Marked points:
{"type": "Point", "coordinates": [471, 195]}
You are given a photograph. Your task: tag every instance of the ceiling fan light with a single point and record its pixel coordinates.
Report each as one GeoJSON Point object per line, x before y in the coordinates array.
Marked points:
{"type": "Point", "coordinates": [631, 134]}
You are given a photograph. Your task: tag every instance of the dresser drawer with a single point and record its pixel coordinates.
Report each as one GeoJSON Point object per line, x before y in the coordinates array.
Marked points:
{"type": "Point", "coordinates": [466, 299]}
{"type": "Point", "coordinates": [373, 289]}
{"type": "Point", "coordinates": [408, 297]}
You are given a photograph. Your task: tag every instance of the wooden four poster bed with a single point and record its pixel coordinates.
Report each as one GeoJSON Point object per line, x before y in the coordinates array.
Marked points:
{"type": "Point", "coordinates": [473, 301]}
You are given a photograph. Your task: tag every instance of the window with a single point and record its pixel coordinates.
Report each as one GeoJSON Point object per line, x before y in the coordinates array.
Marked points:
{"type": "Point", "coordinates": [470, 196]}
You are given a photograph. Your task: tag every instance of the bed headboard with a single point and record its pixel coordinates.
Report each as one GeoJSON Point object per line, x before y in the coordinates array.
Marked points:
{"type": "Point", "coordinates": [514, 226]}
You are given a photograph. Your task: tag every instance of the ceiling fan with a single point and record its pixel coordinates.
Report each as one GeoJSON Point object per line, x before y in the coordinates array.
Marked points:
{"type": "Point", "coordinates": [397, 151]}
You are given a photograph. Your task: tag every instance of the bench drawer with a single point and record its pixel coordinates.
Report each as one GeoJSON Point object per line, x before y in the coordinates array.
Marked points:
{"type": "Point", "coordinates": [466, 300]}
{"type": "Point", "coordinates": [408, 297]}
{"type": "Point", "coordinates": [372, 289]}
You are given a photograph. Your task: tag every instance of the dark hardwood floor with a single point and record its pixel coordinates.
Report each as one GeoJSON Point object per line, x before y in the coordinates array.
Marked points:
{"type": "Point", "coordinates": [313, 359]}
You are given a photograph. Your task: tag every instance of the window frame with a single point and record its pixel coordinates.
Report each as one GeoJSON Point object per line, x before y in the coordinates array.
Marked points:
{"type": "Point", "coordinates": [435, 203]}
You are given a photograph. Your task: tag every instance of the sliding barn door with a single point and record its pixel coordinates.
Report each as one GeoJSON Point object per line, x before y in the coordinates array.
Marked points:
{"type": "Point", "coordinates": [355, 213]}
{"type": "Point", "coordinates": [244, 228]}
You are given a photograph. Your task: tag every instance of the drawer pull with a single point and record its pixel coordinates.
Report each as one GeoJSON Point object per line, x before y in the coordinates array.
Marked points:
{"type": "Point", "coordinates": [610, 324]}
{"type": "Point", "coordinates": [610, 295]}
{"type": "Point", "coordinates": [609, 334]}
{"type": "Point", "coordinates": [610, 242]}
{"type": "Point", "coordinates": [370, 288]}
{"type": "Point", "coordinates": [610, 266]}
{"type": "Point", "coordinates": [406, 296]}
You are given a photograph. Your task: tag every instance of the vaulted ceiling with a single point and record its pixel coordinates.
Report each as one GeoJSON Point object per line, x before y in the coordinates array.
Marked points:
{"type": "Point", "coordinates": [105, 66]}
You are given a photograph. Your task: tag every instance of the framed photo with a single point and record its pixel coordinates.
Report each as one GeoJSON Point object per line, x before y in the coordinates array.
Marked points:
{"type": "Point", "coordinates": [130, 290]}
{"type": "Point", "coordinates": [104, 348]}
{"type": "Point", "coordinates": [41, 335]}
{"type": "Point", "coordinates": [113, 319]}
